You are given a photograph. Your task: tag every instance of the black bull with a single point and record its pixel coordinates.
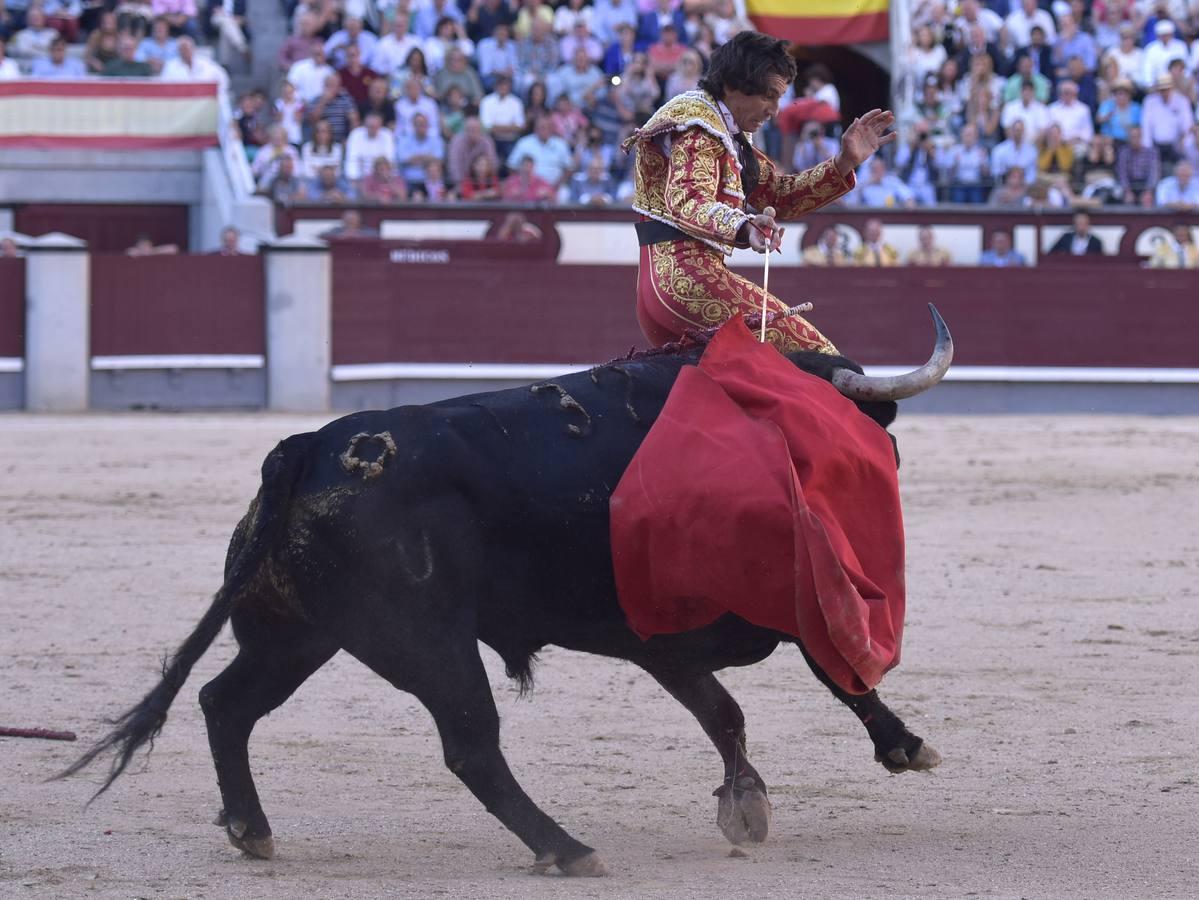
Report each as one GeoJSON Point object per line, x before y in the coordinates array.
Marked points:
{"type": "Point", "coordinates": [405, 537]}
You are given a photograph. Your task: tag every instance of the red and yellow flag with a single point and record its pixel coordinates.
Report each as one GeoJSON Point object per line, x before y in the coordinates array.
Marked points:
{"type": "Point", "coordinates": [821, 22]}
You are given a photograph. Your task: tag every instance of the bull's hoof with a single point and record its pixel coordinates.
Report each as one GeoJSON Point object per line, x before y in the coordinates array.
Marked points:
{"type": "Point", "coordinates": [590, 865]}
{"type": "Point", "coordinates": [258, 846]}
{"type": "Point", "coordinates": [743, 812]}
{"type": "Point", "coordinates": [925, 757]}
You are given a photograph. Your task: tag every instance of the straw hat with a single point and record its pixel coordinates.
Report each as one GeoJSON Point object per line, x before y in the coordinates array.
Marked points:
{"type": "Point", "coordinates": [1163, 83]}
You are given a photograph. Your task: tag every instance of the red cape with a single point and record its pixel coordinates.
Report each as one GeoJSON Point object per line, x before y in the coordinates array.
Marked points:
{"type": "Point", "coordinates": [763, 492]}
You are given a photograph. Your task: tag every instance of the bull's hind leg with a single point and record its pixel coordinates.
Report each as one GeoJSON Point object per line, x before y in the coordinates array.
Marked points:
{"type": "Point", "coordinates": [894, 746]}
{"type": "Point", "coordinates": [444, 672]}
{"type": "Point", "coordinates": [743, 807]}
{"type": "Point", "coordinates": [274, 659]}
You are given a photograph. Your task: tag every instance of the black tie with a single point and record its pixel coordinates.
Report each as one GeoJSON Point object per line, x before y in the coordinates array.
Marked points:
{"type": "Point", "coordinates": [749, 163]}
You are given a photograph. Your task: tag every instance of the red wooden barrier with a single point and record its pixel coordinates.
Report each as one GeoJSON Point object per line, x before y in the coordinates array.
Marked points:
{"type": "Point", "coordinates": [177, 305]}
{"type": "Point", "coordinates": [107, 228]}
{"type": "Point", "coordinates": [12, 307]}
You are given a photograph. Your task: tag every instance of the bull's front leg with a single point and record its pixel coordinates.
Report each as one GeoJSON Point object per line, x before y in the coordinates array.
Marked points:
{"type": "Point", "coordinates": [894, 745]}
{"type": "Point", "coordinates": [743, 807]}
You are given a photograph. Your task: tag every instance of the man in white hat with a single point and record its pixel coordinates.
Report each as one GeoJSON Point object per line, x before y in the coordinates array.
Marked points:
{"type": "Point", "coordinates": [1158, 53]}
{"type": "Point", "coordinates": [1166, 117]}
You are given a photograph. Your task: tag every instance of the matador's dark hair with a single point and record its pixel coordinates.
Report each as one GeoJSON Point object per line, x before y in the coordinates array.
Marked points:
{"type": "Point", "coordinates": [746, 63]}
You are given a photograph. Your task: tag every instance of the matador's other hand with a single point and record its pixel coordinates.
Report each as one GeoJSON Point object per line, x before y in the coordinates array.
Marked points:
{"type": "Point", "coordinates": [863, 137]}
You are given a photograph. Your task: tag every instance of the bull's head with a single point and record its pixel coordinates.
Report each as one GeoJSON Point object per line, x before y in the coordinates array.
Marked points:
{"type": "Point", "coordinates": [857, 386]}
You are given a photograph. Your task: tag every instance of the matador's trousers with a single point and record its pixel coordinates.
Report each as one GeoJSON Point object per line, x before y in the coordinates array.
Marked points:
{"type": "Point", "coordinates": [685, 284]}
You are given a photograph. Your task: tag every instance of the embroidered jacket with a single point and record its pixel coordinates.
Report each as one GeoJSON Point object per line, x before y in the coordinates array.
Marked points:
{"type": "Point", "coordinates": [688, 175]}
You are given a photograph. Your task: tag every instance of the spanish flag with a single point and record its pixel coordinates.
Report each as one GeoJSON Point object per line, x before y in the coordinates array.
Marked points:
{"type": "Point", "coordinates": [821, 22]}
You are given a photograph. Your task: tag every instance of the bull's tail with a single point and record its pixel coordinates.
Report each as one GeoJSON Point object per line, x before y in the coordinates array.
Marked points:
{"type": "Point", "coordinates": [141, 724]}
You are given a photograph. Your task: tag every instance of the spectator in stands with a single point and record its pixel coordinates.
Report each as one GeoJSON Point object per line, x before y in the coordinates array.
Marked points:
{"type": "Point", "coordinates": [188, 65]}
{"type": "Point", "coordinates": [1107, 30]}
{"type": "Point", "coordinates": [1087, 83]}
{"type": "Point", "coordinates": [415, 148]}
{"type": "Point", "coordinates": [356, 78]}
{"type": "Point", "coordinates": [428, 14]}
{"type": "Point", "coordinates": [1020, 22]}
{"type": "Point", "coordinates": [828, 251]}
{"type": "Point", "coordinates": [180, 15]}
{"type": "Point", "coordinates": [975, 44]}
{"type": "Point", "coordinates": [126, 64]}
{"type": "Point", "coordinates": [1027, 109]}
{"type": "Point", "coordinates": [685, 76]}
{"type": "Point", "coordinates": [1158, 53]}
{"type": "Point", "coordinates": [337, 108]}
{"type": "Point", "coordinates": [974, 16]}
{"type": "Point", "coordinates": [1138, 169]}
{"type": "Point", "coordinates": [1039, 51]}
{"type": "Point", "coordinates": [517, 228]}
{"type": "Point", "coordinates": [1165, 119]}
{"type": "Point", "coordinates": [1178, 251]}
{"type": "Point", "coordinates": [1001, 254]}
{"type": "Point", "coordinates": [365, 144]}
{"type": "Point", "coordinates": [1071, 41]}
{"type": "Point", "coordinates": [593, 186]}
{"type": "Point", "coordinates": [925, 55]}
{"type": "Point", "coordinates": [571, 13]}
{"type": "Point", "coordinates": [158, 46]}
{"type": "Point", "coordinates": [927, 253]}
{"type": "Point", "coordinates": [383, 185]}
{"type": "Point", "coordinates": [567, 120]}
{"type": "Point", "coordinates": [1015, 152]}
{"type": "Point", "coordinates": [592, 145]}
{"type": "Point", "coordinates": [1024, 72]}
{"type": "Point", "coordinates": [482, 183]}
{"type": "Point", "coordinates": [1072, 117]}
{"type": "Point", "coordinates": [1179, 191]}
{"type": "Point", "coordinates": [503, 117]}
{"type": "Point", "coordinates": [612, 116]}
{"type": "Point", "coordinates": [9, 248]}
{"type": "Point", "coordinates": [467, 146]}
{"type": "Point", "coordinates": [536, 105]}
{"type": "Point", "coordinates": [1119, 113]}
{"type": "Point", "coordinates": [299, 43]}
{"type": "Point", "coordinates": [485, 16]}
{"type": "Point", "coordinates": [1128, 55]}
{"type": "Point", "coordinates": [537, 53]}
{"type": "Point", "coordinates": [641, 89]}
{"type": "Point", "coordinates": [289, 113]}
{"type": "Point", "coordinates": [874, 251]}
{"type": "Point", "coordinates": [1013, 193]}
{"type": "Point", "coordinates": [63, 16]}
{"type": "Point", "coordinates": [1079, 241]}
{"type": "Point", "coordinates": [915, 165]}
{"type": "Point", "coordinates": [328, 187]}
{"type": "Point", "coordinates": [608, 18]}
{"type": "Point", "coordinates": [310, 75]}
{"type": "Point", "coordinates": [251, 121]}
{"type": "Point", "coordinates": [320, 152]}
{"type": "Point", "coordinates": [269, 157]}
{"type": "Point", "coordinates": [813, 148]}
{"type": "Point", "coordinates": [1054, 156]}
{"type": "Point", "coordinates": [143, 245]}
{"type": "Point", "coordinates": [550, 154]}
{"type": "Point", "coordinates": [880, 188]}
{"type": "Point", "coordinates": [661, 15]}
{"type": "Point", "coordinates": [414, 67]}
{"type": "Point", "coordinates": [620, 51]}
{"type": "Point", "coordinates": [1098, 169]}
{"type": "Point", "coordinates": [230, 243]}
{"type": "Point", "coordinates": [664, 53]}
{"type": "Point", "coordinates": [575, 79]}
{"type": "Point", "coordinates": [351, 32]}
{"type": "Point", "coordinates": [1184, 84]}
{"type": "Point", "coordinates": [414, 101]}
{"type": "Point", "coordinates": [9, 70]}
{"type": "Point", "coordinates": [57, 66]}
{"type": "Point", "coordinates": [34, 40]}
{"type": "Point", "coordinates": [966, 166]}
{"type": "Point", "coordinates": [457, 73]}
{"type": "Point", "coordinates": [525, 185]}
{"type": "Point", "coordinates": [227, 24]}
{"type": "Point", "coordinates": [496, 55]}
{"type": "Point", "coordinates": [449, 35]}
{"type": "Point", "coordinates": [378, 100]}
{"type": "Point", "coordinates": [391, 51]}
{"type": "Point", "coordinates": [101, 45]}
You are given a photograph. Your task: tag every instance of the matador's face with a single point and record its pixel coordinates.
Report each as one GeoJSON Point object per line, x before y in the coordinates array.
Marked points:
{"type": "Point", "coordinates": [751, 111]}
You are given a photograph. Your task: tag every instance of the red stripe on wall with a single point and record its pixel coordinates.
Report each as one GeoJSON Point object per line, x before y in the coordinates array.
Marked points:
{"type": "Point", "coordinates": [110, 142]}
{"type": "Point", "coordinates": [108, 87]}
{"type": "Point", "coordinates": [826, 31]}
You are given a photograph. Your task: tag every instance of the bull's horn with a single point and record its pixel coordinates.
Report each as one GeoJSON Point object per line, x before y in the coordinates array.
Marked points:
{"type": "Point", "coordinates": [900, 387]}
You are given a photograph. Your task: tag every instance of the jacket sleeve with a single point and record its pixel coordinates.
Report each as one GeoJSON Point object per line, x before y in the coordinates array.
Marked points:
{"type": "Point", "coordinates": [793, 195]}
{"type": "Point", "coordinates": [690, 197]}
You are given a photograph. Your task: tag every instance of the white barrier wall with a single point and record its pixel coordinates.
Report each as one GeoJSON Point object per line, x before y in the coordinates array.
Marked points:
{"type": "Point", "coordinates": [57, 324]}
{"type": "Point", "coordinates": [299, 324]}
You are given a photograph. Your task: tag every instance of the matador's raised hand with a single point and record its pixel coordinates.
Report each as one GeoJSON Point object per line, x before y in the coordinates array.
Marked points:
{"type": "Point", "coordinates": [863, 137]}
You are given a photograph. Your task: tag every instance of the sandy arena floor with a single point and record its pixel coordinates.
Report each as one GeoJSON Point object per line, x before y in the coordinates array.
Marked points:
{"type": "Point", "coordinates": [1052, 656]}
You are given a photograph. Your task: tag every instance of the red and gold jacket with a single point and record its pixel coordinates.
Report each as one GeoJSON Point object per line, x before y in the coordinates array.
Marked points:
{"type": "Point", "coordinates": [688, 175]}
